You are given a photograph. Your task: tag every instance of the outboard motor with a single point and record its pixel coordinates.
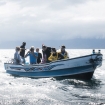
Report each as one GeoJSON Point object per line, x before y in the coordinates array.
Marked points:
{"type": "Point", "coordinates": [96, 59]}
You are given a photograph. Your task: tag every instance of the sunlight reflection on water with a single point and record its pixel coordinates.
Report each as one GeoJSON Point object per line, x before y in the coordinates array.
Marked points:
{"type": "Point", "coordinates": [49, 91]}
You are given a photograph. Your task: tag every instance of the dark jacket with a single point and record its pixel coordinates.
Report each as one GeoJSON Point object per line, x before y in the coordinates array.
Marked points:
{"type": "Point", "coordinates": [47, 52]}
{"type": "Point", "coordinates": [62, 55]}
{"type": "Point", "coordinates": [39, 58]}
{"type": "Point", "coordinates": [22, 52]}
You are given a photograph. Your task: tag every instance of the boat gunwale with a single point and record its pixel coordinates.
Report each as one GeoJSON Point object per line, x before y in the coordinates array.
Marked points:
{"type": "Point", "coordinates": [48, 70]}
{"type": "Point", "coordinates": [55, 61]}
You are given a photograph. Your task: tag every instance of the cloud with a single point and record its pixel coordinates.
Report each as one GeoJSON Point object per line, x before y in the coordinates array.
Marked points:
{"type": "Point", "coordinates": [2, 3]}
{"type": "Point", "coordinates": [45, 20]}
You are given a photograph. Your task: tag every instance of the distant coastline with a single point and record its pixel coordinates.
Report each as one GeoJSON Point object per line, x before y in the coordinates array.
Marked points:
{"type": "Point", "coordinates": [78, 43]}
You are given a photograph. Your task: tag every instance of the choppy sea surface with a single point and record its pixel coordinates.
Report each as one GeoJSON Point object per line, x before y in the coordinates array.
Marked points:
{"type": "Point", "coordinates": [49, 91]}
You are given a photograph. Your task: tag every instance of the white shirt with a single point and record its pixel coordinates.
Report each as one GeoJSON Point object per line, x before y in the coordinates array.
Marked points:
{"type": "Point", "coordinates": [17, 58]}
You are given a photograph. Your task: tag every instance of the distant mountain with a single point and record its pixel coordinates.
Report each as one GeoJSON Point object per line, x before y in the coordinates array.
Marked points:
{"type": "Point", "coordinates": [70, 44]}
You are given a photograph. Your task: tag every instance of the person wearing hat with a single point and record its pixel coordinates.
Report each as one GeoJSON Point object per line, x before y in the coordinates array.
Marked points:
{"type": "Point", "coordinates": [54, 55]}
{"type": "Point", "coordinates": [93, 51]}
{"type": "Point", "coordinates": [17, 57]}
{"type": "Point", "coordinates": [33, 55]}
{"type": "Point", "coordinates": [63, 53]}
{"type": "Point", "coordinates": [22, 51]}
{"type": "Point", "coordinates": [46, 53]}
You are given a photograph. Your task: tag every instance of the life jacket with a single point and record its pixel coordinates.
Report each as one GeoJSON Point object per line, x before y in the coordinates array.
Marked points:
{"type": "Point", "coordinates": [65, 54]}
{"type": "Point", "coordinates": [53, 57]}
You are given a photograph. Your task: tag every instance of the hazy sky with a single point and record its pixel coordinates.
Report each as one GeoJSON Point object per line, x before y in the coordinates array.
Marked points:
{"type": "Point", "coordinates": [51, 19]}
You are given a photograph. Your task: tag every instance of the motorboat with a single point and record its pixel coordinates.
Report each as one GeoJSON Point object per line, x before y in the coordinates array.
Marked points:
{"type": "Point", "coordinates": [82, 67]}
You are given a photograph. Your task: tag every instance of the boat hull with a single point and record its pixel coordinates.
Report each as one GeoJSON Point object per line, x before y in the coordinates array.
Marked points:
{"type": "Point", "coordinates": [82, 76]}
{"type": "Point", "coordinates": [80, 67]}
{"type": "Point", "coordinates": [84, 72]}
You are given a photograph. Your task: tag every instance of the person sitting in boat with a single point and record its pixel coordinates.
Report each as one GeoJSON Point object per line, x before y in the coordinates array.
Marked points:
{"type": "Point", "coordinates": [99, 51]}
{"type": "Point", "coordinates": [93, 51]}
{"type": "Point", "coordinates": [63, 53]}
{"type": "Point", "coordinates": [22, 51]}
{"type": "Point", "coordinates": [39, 56]}
{"type": "Point", "coordinates": [46, 53]}
{"type": "Point", "coordinates": [54, 55]}
{"type": "Point", "coordinates": [33, 55]}
{"type": "Point", "coordinates": [17, 57]}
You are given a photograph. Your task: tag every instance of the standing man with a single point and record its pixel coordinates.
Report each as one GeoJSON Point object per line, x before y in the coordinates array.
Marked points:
{"type": "Point", "coordinates": [22, 51]}
{"type": "Point", "coordinates": [46, 53]}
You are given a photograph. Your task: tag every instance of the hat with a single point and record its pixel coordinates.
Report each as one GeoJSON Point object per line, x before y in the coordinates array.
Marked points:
{"type": "Point", "coordinates": [32, 47]}
{"type": "Point", "coordinates": [43, 46]}
{"type": "Point", "coordinates": [18, 48]}
{"type": "Point", "coordinates": [63, 46]}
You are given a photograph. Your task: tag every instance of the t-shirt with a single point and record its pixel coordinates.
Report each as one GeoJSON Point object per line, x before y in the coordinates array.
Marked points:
{"type": "Point", "coordinates": [33, 59]}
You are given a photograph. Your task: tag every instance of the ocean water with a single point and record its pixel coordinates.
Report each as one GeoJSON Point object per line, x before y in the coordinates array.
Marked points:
{"type": "Point", "coordinates": [49, 91]}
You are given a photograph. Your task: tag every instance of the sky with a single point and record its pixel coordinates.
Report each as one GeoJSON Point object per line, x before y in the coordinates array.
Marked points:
{"type": "Point", "coordinates": [52, 22]}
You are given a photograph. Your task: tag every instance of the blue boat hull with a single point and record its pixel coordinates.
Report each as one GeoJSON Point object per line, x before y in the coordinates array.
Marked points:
{"type": "Point", "coordinates": [83, 72]}
{"type": "Point", "coordinates": [79, 67]}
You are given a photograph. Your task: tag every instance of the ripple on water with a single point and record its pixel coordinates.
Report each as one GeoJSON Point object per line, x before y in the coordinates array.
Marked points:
{"type": "Point", "coordinates": [50, 91]}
